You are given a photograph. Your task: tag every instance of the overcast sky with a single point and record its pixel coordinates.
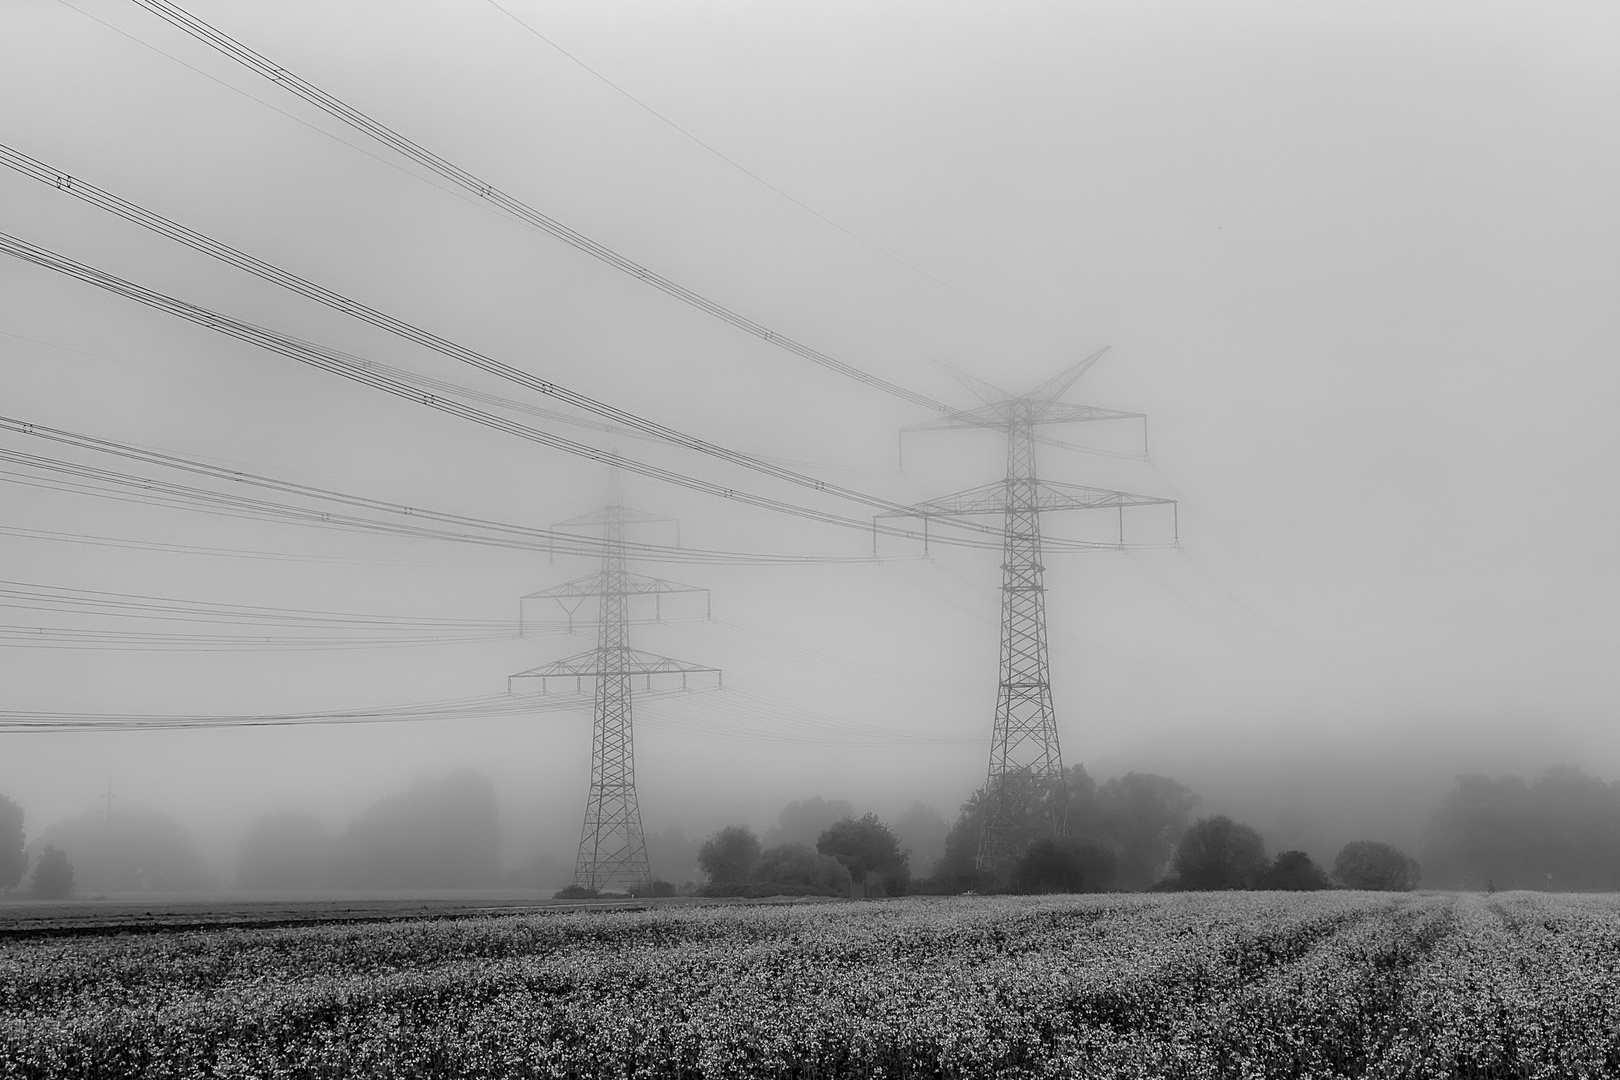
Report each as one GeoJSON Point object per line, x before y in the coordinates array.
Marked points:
{"type": "Point", "coordinates": [1357, 261]}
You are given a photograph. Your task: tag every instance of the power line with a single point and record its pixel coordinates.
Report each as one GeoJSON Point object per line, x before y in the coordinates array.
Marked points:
{"type": "Point", "coordinates": [462, 528]}
{"type": "Point", "coordinates": [261, 65]}
{"type": "Point", "coordinates": [14, 636]}
{"type": "Point", "coordinates": [18, 721]}
{"type": "Point", "coordinates": [283, 112]}
{"type": "Point", "coordinates": [324, 360]}
{"type": "Point", "coordinates": [273, 342]}
{"type": "Point", "coordinates": [315, 356]}
{"type": "Point", "coordinates": [745, 170]}
{"type": "Point", "coordinates": [146, 606]}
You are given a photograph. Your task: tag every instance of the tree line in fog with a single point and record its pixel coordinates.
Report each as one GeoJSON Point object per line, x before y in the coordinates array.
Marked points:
{"type": "Point", "coordinates": [1558, 831]}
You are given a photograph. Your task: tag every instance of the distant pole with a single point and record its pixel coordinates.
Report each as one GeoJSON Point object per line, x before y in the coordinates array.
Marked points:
{"type": "Point", "coordinates": [612, 845]}
{"type": "Point", "coordinates": [106, 841]}
{"type": "Point", "coordinates": [1024, 788]}
{"type": "Point", "coordinates": [1024, 743]}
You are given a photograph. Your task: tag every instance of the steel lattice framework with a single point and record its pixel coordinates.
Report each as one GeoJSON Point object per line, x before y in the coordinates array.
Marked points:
{"type": "Point", "coordinates": [612, 847]}
{"type": "Point", "coordinates": [1025, 792]}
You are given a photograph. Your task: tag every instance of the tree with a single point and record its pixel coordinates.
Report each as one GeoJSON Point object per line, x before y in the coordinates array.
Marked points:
{"type": "Point", "coordinates": [132, 849]}
{"type": "Point", "coordinates": [440, 832]}
{"type": "Point", "coordinates": [1069, 866]}
{"type": "Point", "coordinates": [13, 860]}
{"type": "Point", "coordinates": [796, 867]}
{"type": "Point", "coordinates": [729, 855]}
{"type": "Point", "coordinates": [865, 846]}
{"type": "Point", "coordinates": [286, 849]}
{"type": "Point", "coordinates": [1368, 864]}
{"type": "Point", "coordinates": [1218, 853]}
{"type": "Point", "coordinates": [1024, 798]}
{"type": "Point", "coordinates": [802, 820]}
{"type": "Point", "coordinates": [1144, 815]}
{"type": "Point", "coordinates": [922, 831]}
{"type": "Point", "coordinates": [1561, 831]}
{"type": "Point", "coordinates": [53, 874]}
{"type": "Point", "coordinates": [1294, 871]}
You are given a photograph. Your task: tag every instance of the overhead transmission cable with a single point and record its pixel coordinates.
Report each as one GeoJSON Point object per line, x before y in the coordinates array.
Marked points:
{"type": "Point", "coordinates": [34, 596]}
{"type": "Point", "coordinates": [317, 357]}
{"type": "Point", "coordinates": [38, 170]}
{"type": "Point", "coordinates": [38, 721]}
{"type": "Point", "coordinates": [273, 342]}
{"type": "Point", "coordinates": [333, 106]}
{"type": "Point", "coordinates": [410, 521]}
{"type": "Point", "coordinates": [754, 718]}
{"type": "Point", "coordinates": [735, 164]}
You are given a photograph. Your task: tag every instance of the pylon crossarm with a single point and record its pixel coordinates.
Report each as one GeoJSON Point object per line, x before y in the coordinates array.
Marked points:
{"type": "Point", "coordinates": [985, 392]}
{"type": "Point", "coordinates": [1032, 495]}
{"type": "Point", "coordinates": [632, 585]}
{"type": "Point", "coordinates": [1002, 414]}
{"type": "Point", "coordinates": [1054, 495]}
{"type": "Point", "coordinates": [595, 664]}
{"type": "Point", "coordinates": [578, 589]}
{"type": "Point", "coordinates": [1061, 412]}
{"type": "Point", "coordinates": [1059, 384]}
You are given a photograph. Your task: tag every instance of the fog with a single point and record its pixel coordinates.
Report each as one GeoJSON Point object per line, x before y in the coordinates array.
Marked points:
{"type": "Point", "coordinates": [1355, 261]}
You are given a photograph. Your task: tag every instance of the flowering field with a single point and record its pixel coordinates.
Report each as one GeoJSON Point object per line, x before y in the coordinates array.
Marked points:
{"type": "Point", "coordinates": [1191, 985]}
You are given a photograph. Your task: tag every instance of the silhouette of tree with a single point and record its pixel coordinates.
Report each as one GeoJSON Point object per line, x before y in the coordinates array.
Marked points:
{"type": "Point", "coordinates": [866, 846]}
{"type": "Point", "coordinates": [286, 849]}
{"type": "Point", "coordinates": [13, 859]}
{"type": "Point", "coordinates": [802, 820]}
{"type": "Point", "coordinates": [797, 867]}
{"type": "Point", "coordinates": [922, 831]}
{"type": "Point", "coordinates": [1368, 864]}
{"type": "Point", "coordinates": [53, 874]}
{"type": "Point", "coordinates": [441, 832]}
{"type": "Point", "coordinates": [1069, 866]}
{"type": "Point", "coordinates": [130, 850]}
{"type": "Point", "coordinates": [1026, 798]}
{"type": "Point", "coordinates": [1143, 815]}
{"type": "Point", "coordinates": [730, 854]}
{"type": "Point", "coordinates": [1218, 853]}
{"type": "Point", "coordinates": [1294, 871]}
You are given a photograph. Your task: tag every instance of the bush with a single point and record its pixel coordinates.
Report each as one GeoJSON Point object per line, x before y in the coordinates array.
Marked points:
{"type": "Point", "coordinates": [871, 853]}
{"type": "Point", "coordinates": [730, 854]}
{"type": "Point", "coordinates": [1051, 866]}
{"type": "Point", "coordinates": [1294, 871]}
{"type": "Point", "coordinates": [1218, 853]}
{"type": "Point", "coordinates": [53, 874]}
{"type": "Point", "coordinates": [1368, 864]}
{"type": "Point", "coordinates": [796, 866]}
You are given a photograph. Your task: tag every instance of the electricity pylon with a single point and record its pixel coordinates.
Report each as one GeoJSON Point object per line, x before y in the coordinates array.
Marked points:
{"type": "Point", "coordinates": [1024, 788]}
{"type": "Point", "coordinates": [612, 848]}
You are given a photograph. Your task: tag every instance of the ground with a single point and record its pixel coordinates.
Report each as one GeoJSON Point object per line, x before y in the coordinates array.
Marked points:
{"type": "Point", "coordinates": [1234, 984]}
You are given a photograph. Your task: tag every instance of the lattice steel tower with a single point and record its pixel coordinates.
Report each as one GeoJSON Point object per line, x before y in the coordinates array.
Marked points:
{"type": "Point", "coordinates": [612, 849]}
{"type": "Point", "coordinates": [1024, 787]}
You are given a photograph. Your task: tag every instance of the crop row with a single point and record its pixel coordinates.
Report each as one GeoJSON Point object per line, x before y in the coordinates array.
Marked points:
{"type": "Point", "coordinates": [1258, 984]}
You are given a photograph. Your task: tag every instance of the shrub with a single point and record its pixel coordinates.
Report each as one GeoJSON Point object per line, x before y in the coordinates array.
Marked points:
{"type": "Point", "coordinates": [1294, 871]}
{"type": "Point", "coordinates": [1368, 864]}
{"type": "Point", "coordinates": [795, 865]}
{"type": "Point", "coordinates": [53, 874]}
{"type": "Point", "coordinates": [1052, 866]}
{"type": "Point", "coordinates": [1218, 853]}
{"type": "Point", "coordinates": [730, 854]}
